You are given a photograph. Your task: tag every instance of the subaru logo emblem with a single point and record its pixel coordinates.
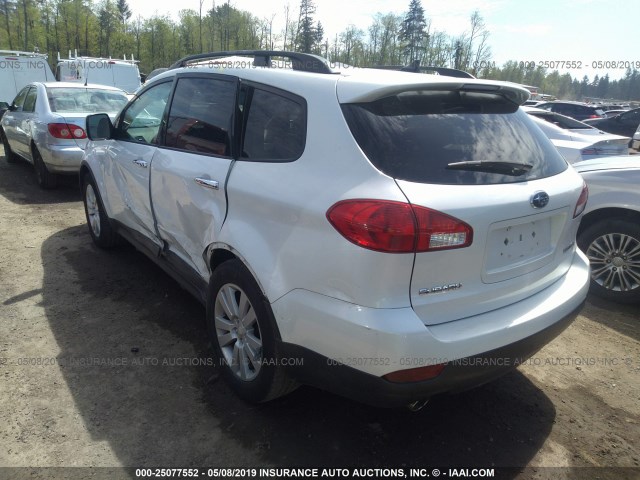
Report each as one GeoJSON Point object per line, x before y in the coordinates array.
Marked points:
{"type": "Point", "coordinates": [539, 200]}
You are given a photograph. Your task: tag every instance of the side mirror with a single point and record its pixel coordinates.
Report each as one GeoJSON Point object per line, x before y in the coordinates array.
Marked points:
{"type": "Point", "coordinates": [4, 106]}
{"type": "Point", "coordinates": [99, 127]}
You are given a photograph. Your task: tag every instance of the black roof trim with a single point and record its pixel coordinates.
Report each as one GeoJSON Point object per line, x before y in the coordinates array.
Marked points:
{"type": "Point", "coordinates": [304, 62]}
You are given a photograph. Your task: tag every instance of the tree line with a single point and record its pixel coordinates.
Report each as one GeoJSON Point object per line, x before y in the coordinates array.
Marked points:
{"type": "Point", "coordinates": [109, 28]}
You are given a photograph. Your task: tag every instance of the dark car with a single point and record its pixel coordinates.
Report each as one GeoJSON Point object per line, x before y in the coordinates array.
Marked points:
{"type": "Point", "coordinates": [577, 110]}
{"type": "Point", "coordinates": [624, 124]}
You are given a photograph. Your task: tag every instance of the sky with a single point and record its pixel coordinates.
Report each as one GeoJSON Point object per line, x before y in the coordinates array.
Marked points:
{"type": "Point", "coordinates": [579, 32]}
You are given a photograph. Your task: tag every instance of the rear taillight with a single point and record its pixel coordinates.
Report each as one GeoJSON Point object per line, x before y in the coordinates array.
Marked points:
{"type": "Point", "coordinates": [591, 151]}
{"type": "Point", "coordinates": [595, 116]}
{"type": "Point", "coordinates": [397, 227]}
{"type": "Point", "coordinates": [65, 130]}
{"type": "Point", "coordinates": [582, 201]}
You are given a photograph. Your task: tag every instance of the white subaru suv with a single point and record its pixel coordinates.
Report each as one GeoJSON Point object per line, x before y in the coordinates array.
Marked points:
{"type": "Point", "coordinates": [383, 235]}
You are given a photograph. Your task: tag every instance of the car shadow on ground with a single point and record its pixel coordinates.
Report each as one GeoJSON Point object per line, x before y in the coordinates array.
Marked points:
{"type": "Point", "coordinates": [18, 185]}
{"type": "Point", "coordinates": [623, 318]}
{"type": "Point", "coordinates": [135, 356]}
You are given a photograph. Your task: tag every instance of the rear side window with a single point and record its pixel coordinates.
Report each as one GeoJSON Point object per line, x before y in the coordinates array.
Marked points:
{"type": "Point", "coordinates": [201, 116]}
{"type": "Point", "coordinates": [30, 100]}
{"type": "Point", "coordinates": [420, 136]}
{"type": "Point", "coordinates": [275, 126]}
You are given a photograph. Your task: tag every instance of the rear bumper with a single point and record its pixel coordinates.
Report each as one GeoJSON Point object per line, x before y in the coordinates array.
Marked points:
{"type": "Point", "coordinates": [62, 159]}
{"type": "Point", "coordinates": [347, 348]}
{"type": "Point", "coordinates": [458, 375]}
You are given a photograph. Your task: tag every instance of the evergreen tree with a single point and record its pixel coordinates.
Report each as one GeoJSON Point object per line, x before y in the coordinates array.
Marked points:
{"type": "Point", "coordinates": [307, 34]}
{"type": "Point", "coordinates": [413, 32]}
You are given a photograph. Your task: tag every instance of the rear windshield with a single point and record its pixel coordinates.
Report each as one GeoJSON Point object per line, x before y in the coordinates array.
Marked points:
{"type": "Point", "coordinates": [81, 100]}
{"type": "Point", "coordinates": [419, 136]}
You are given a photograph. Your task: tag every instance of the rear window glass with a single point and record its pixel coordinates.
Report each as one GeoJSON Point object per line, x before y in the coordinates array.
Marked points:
{"type": "Point", "coordinates": [418, 136]}
{"type": "Point", "coordinates": [81, 100]}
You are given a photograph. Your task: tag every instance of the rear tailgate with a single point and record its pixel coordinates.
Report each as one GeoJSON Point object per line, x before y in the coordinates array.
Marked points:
{"type": "Point", "coordinates": [516, 250]}
{"type": "Point", "coordinates": [476, 171]}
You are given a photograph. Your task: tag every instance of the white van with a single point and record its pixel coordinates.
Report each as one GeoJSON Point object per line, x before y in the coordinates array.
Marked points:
{"type": "Point", "coordinates": [18, 69]}
{"type": "Point", "coordinates": [122, 74]}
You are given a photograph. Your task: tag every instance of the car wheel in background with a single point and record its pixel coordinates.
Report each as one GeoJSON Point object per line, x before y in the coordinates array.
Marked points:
{"type": "Point", "coordinates": [243, 335]}
{"type": "Point", "coordinates": [613, 249]}
{"type": "Point", "coordinates": [100, 227]}
{"type": "Point", "coordinates": [44, 177]}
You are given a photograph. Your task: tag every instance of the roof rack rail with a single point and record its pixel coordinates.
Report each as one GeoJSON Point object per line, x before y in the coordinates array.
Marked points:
{"type": "Point", "coordinates": [18, 53]}
{"type": "Point", "coordinates": [304, 62]}
{"type": "Point", "coordinates": [416, 68]}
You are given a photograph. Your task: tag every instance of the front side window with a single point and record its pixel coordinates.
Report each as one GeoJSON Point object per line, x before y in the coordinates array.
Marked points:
{"type": "Point", "coordinates": [201, 116]}
{"type": "Point", "coordinates": [141, 121]}
{"type": "Point", "coordinates": [275, 126]}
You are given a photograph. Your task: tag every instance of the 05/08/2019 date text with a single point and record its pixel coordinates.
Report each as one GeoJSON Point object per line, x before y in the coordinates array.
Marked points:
{"type": "Point", "coordinates": [567, 64]}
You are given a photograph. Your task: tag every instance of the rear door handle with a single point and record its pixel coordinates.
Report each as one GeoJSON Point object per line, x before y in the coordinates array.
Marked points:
{"type": "Point", "coordinates": [141, 163]}
{"type": "Point", "coordinates": [207, 183]}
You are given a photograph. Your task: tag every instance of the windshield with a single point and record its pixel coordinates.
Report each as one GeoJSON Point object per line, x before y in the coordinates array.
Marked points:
{"type": "Point", "coordinates": [81, 100]}
{"type": "Point", "coordinates": [428, 137]}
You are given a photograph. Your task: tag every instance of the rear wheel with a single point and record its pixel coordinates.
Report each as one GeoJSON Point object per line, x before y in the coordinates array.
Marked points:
{"type": "Point", "coordinates": [613, 249]}
{"type": "Point", "coordinates": [44, 177]}
{"type": "Point", "coordinates": [243, 335]}
{"type": "Point", "coordinates": [100, 227]}
{"type": "Point", "coordinates": [8, 154]}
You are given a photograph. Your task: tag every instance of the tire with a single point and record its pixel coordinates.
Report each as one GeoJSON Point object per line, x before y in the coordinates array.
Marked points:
{"type": "Point", "coordinates": [46, 180]}
{"type": "Point", "coordinates": [243, 335]}
{"type": "Point", "coordinates": [100, 227]}
{"type": "Point", "coordinates": [613, 249]}
{"type": "Point", "coordinates": [8, 153]}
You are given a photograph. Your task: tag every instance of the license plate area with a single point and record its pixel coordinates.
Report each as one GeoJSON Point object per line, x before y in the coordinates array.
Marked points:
{"type": "Point", "coordinates": [517, 247]}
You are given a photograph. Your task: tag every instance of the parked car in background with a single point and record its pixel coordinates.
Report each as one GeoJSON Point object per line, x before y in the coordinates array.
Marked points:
{"type": "Point", "coordinates": [568, 124]}
{"type": "Point", "coordinates": [636, 139]}
{"type": "Point", "coordinates": [610, 230]}
{"type": "Point", "coordinates": [626, 123]}
{"type": "Point", "coordinates": [123, 74]}
{"type": "Point", "coordinates": [577, 110]}
{"type": "Point", "coordinates": [403, 239]}
{"type": "Point", "coordinates": [613, 113]}
{"type": "Point", "coordinates": [17, 69]}
{"type": "Point", "coordinates": [45, 125]}
{"type": "Point", "coordinates": [576, 147]}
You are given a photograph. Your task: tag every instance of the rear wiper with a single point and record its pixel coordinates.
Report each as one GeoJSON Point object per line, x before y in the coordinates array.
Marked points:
{"type": "Point", "coordinates": [504, 168]}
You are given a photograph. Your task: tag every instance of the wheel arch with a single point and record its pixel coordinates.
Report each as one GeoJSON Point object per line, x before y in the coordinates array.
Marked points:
{"type": "Point", "coordinates": [219, 253]}
{"type": "Point", "coordinates": [608, 213]}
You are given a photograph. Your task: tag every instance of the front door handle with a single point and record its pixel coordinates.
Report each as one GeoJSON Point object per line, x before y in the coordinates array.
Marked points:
{"type": "Point", "coordinates": [207, 183]}
{"type": "Point", "coordinates": [141, 163]}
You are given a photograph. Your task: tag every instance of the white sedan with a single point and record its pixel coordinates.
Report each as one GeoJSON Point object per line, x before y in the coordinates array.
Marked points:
{"type": "Point", "coordinates": [609, 233]}
{"type": "Point", "coordinates": [576, 140]}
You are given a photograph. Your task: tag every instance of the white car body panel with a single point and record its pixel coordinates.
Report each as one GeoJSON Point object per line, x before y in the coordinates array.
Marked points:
{"type": "Point", "coordinates": [495, 271]}
{"type": "Point", "coordinates": [613, 183]}
{"type": "Point", "coordinates": [188, 218]}
{"type": "Point", "coordinates": [345, 331]}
